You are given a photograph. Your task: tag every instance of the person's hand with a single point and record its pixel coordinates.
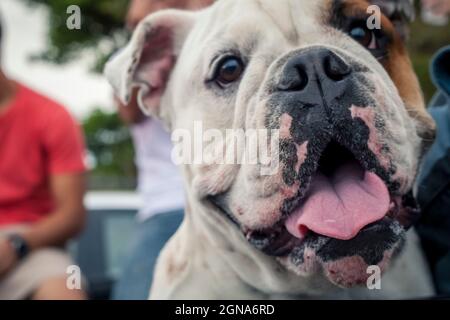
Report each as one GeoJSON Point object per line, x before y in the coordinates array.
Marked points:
{"type": "Point", "coordinates": [8, 257]}
{"type": "Point", "coordinates": [438, 7]}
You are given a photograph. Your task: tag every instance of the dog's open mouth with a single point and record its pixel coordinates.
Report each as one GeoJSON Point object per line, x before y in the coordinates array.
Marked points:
{"type": "Point", "coordinates": [342, 200]}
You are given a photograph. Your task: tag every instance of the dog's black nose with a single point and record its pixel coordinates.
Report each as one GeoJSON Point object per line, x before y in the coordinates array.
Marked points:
{"type": "Point", "coordinates": [315, 72]}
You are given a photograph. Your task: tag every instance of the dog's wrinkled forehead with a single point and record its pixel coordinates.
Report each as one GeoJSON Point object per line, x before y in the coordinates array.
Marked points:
{"type": "Point", "coordinates": [286, 16]}
{"type": "Point", "coordinates": [262, 20]}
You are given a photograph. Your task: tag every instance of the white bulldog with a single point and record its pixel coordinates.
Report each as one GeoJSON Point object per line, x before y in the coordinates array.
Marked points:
{"type": "Point", "coordinates": [352, 126]}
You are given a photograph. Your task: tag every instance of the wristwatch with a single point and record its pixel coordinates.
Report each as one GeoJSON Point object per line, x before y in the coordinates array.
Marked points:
{"type": "Point", "coordinates": [19, 245]}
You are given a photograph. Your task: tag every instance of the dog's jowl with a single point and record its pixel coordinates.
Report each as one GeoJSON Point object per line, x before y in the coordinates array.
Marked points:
{"type": "Point", "coordinates": [352, 129]}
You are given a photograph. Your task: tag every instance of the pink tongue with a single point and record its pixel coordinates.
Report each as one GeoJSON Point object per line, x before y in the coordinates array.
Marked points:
{"type": "Point", "coordinates": [341, 205]}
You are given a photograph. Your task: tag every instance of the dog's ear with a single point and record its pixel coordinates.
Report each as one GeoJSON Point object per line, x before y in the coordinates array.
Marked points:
{"type": "Point", "coordinates": [149, 58]}
{"type": "Point", "coordinates": [400, 12]}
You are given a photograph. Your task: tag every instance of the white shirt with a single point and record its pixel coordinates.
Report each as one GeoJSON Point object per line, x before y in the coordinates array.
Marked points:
{"type": "Point", "coordinates": [159, 179]}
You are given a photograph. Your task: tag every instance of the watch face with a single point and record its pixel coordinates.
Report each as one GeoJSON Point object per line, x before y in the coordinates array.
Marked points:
{"type": "Point", "coordinates": [20, 246]}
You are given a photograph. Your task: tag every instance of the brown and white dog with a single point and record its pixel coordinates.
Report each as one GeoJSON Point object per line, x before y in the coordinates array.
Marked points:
{"type": "Point", "coordinates": [352, 126]}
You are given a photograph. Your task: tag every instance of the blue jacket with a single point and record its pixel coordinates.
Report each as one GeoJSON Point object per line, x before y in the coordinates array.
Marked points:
{"type": "Point", "coordinates": [434, 182]}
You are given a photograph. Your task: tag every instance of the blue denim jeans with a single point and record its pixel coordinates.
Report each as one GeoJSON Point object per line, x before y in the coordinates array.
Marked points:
{"type": "Point", "coordinates": [150, 237]}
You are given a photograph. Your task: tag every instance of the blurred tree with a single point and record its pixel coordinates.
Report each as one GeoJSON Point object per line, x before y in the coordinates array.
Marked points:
{"type": "Point", "coordinates": [111, 151]}
{"type": "Point", "coordinates": [102, 33]}
{"type": "Point", "coordinates": [101, 30]}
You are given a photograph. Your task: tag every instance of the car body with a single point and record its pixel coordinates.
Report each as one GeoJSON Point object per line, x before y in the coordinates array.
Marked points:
{"type": "Point", "coordinates": [100, 249]}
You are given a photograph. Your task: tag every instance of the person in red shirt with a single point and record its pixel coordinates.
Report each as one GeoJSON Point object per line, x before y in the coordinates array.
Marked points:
{"type": "Point", "coordinates": [42, 185]}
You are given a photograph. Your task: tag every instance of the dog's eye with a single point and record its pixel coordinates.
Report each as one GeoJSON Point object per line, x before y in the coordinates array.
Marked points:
{"type": "Point", "coordinates": [229, 70]}
{"type": "Point", "coordinates": [364, 36]}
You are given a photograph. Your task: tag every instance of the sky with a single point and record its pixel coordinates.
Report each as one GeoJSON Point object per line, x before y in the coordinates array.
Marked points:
{"type": "Point", "coordinates": [73, 85]}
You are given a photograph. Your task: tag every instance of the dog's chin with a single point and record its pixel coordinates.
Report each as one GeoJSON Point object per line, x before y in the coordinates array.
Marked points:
{"type": "Point", "coordinates": [348, 263]}
{"type": "Point", "coordinates": [345, 263]}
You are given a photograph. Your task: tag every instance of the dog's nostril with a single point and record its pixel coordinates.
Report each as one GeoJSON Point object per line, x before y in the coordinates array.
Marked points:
{"type": "Point", "coordinates": [303, 78]}
{"type": "Point", "coordinates": [335, 68]}
{"type": "Point", "coordinates": [296, 82]}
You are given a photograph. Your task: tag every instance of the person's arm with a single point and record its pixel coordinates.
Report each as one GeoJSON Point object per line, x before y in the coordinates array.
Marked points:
{"type": "Point", "coordinates": [65, 222]}
{"type": "Point", "coordinates": [68, 218]}
{"type": "Point", "coordinates": [131, 113]}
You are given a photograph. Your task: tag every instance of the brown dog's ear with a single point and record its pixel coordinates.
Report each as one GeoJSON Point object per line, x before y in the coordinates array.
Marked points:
{"type": "Point", "coordinates": [400, 12]}
{"type": "Point", "coordinates": [149, 58]}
